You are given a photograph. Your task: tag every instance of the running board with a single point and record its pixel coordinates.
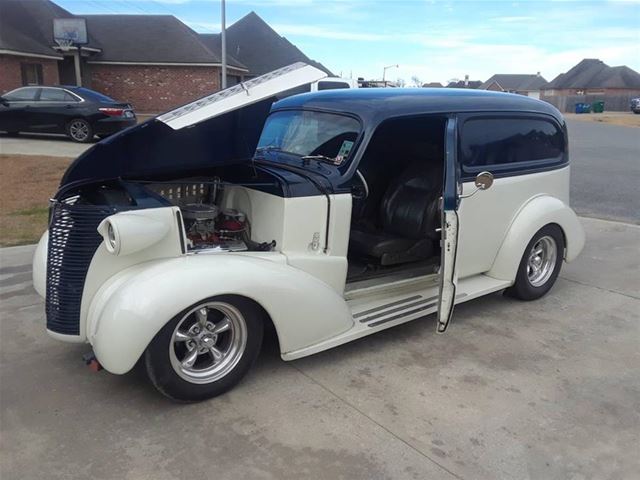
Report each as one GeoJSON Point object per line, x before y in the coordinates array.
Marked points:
{"type": "Point", "coordinates": [398, 309]}
{"type": "Point", "coordinates": [400, 304]}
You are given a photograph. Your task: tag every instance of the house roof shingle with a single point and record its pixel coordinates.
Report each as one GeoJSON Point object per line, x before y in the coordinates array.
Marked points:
{"type": "Point", "coordinates": [15, 15]}
{"type": "Point", "coordinates": [516, 82]}
{"type": "Point", "coordinates": [594, 73]}
{"type": "Point", "coordinates": [148, 39]}
{"type": "Point", "coordinates": [254, 43]}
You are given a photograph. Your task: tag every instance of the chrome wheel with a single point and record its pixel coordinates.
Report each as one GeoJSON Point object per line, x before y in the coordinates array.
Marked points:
{"type": "Point", "coordinates": [541, 261]}
{"type": "Point", "coordinates": [79, 130]}
{"type": "Point", "coordinates": [208, 342]}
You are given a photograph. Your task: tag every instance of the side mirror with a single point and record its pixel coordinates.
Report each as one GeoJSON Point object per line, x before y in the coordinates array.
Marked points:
{"type": "Point", "coordinates": [483, 181]}
{"type": "Point", "coordinates": [4, 101]}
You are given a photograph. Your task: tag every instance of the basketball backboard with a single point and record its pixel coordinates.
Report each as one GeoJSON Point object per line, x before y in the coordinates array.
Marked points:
{"type": "Point", "coordinates": [70, 30]}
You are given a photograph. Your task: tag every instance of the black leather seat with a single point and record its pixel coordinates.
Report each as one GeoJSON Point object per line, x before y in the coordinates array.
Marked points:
{"type": "Point", "coordinates": [408, 219]}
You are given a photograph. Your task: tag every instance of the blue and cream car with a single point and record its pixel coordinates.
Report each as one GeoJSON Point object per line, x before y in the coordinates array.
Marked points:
{"type": "Point", "coordinates": [328, 216]}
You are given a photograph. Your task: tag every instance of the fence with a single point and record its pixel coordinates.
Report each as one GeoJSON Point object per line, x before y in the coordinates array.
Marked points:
{"type": "Point", "coordinates": [612, 103]}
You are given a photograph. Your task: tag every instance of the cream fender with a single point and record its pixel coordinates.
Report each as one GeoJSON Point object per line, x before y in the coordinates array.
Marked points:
{"type": "Point", "coordinates": [534, 215]}
{"type": "Point", "coordinates": [133, 305]}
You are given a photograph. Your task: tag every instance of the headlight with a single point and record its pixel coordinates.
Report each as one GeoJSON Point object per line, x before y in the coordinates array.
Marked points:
{"type": "Point", "coordinates": [130, 232]}
{"type": "Point", "coordinates": [111, 237]}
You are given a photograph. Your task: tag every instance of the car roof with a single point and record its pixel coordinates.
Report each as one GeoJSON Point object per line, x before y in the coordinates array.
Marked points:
{"type": "Point", "coordinates": [377, 104]}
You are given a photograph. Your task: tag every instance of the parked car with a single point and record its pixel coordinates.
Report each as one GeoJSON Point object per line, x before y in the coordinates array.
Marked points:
{"type": "Point", "coordinates": [78, 112]}
{"type": "Point", "coordinates": [635, 105]}
{"type": "Point", "coordinates": [350, 212]}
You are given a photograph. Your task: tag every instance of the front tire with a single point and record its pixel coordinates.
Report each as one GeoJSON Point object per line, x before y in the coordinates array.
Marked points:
{"type": "Point", "coordinates": [79, 130]}
{"type": "Point", "coordinates": [206, 349]}
{"type": "Point", "coordinates": [540, 264]}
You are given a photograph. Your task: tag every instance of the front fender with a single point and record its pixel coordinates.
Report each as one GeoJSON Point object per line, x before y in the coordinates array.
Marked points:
{"type": "Point", "coordinates": [133, 305]}
{"type": "Point", "coordinates": [535, 214]}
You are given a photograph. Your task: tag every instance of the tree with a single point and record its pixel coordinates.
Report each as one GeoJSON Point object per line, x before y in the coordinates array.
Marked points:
{"type": "Point", "coordinates": [416, 81]}
{"type": "Point", "coordinates": [400, 82]}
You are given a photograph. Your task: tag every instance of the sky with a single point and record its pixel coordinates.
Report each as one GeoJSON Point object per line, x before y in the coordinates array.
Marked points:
{"type": "Point", "coordinates": [430, 40]}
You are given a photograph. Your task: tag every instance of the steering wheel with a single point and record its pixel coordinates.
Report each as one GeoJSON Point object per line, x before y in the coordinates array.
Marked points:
{"type": "Point", "coordinates": [360, 192]}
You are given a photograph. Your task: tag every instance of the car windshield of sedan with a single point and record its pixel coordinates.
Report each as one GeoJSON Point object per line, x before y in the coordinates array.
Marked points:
{"type": "Point", "coordinates": [324, 136]}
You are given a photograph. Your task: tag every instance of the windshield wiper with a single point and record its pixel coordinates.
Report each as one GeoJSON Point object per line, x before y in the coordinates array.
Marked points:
{"type": "Point", "coordinates": [323, 158]}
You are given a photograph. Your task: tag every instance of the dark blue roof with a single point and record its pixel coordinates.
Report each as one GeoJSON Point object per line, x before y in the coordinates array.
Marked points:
{"type": "Point", "coordinates": [377, 104]}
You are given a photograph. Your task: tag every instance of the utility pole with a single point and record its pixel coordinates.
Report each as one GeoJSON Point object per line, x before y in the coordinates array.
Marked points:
{"type": "Point", "coordinates": [384, 73]}
{"type": "Point", "coordinates": [223, 39]}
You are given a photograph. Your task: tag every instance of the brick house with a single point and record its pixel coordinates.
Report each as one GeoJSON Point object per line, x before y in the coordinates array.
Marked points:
{"type": "Point", "coordinates": [154, 62]}
{"type": "Point", "coordinates": [522, 84]}
{"type": "Point", "coordinates": [593, 80]}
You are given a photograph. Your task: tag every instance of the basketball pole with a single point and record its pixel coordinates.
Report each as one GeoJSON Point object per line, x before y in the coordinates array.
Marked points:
{"type": "Point", "coordinates": [223, 42]}
{"type": "Point", "coordinates": [76, 62]}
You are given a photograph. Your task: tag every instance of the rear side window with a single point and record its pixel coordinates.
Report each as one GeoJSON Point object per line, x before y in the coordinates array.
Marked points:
{"type": "Point", "coordinates": [507, 141]}
{"type": "Point", "coordinates": [56, 95]}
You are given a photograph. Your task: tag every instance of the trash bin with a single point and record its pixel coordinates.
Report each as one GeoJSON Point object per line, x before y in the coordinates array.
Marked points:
{"type": "Point", "coordinates": [598, 107]}
{"type": "Point", "coordinates": [579, 107]}
{"type": "Point", "coordinates": [586, 108]}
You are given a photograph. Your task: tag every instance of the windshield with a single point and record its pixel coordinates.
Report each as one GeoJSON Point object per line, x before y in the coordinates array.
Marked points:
{"type": "Point", "coordinates": [307, 133]}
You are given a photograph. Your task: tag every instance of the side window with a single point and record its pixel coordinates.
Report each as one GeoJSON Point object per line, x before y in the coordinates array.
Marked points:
{"type": "Point", "coordinates": [503, 141]}
{"type": "Point", "coordinates": [22, 94]}
{"type": "Point", "coordinates": [54, 95]}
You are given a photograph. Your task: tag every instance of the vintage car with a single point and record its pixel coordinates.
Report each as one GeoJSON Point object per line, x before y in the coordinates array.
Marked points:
{"type": "Point", "coordinates": [327, 216]}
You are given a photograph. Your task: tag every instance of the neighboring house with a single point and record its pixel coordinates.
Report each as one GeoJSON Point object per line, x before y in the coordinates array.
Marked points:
{"type": "Point", "coordinates": [523, 84]}
{"type": "Point", "coordinates": [593, 80]}
{"type": "Point", "coordinates": [155, 62]}
{"type": "Point", "coordinates": [432, 85]}
{"type": "Point", "coordinates": [258, 46]}
{"type": "Point", "coordinates": [466, 83]}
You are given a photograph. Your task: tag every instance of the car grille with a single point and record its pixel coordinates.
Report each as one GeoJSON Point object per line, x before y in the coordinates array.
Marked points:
{"type": "Point", "coordinates": [73, 240]}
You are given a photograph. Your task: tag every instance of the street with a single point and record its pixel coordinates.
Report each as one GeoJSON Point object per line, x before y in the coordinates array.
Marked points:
{"type": "Point", "coordinates": [605, 170]}
{"type": "Point", "coordinates": [548, 389]}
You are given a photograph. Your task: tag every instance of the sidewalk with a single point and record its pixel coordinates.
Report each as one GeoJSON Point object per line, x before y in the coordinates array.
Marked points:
{"type": "Point", "coordinates": [547, 389]}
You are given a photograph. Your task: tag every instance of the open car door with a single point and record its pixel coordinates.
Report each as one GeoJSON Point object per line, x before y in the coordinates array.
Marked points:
{"type": "Point", "coordinates": [449, 228]}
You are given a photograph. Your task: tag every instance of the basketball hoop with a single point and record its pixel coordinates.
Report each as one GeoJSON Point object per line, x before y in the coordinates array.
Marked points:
{"type": "Point", "coordinates": [64, 44]}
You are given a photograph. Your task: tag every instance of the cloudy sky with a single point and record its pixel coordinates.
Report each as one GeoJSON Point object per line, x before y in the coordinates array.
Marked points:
{"type": "Point", "coordinates": [431, 40]}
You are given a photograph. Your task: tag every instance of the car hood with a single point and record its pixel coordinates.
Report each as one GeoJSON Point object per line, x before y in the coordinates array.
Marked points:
{"type": "Point", "coordinates": [222, 128]}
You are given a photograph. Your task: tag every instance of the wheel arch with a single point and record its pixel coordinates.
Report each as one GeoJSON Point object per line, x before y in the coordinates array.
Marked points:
{"type": "Point", "coordinates": [132, 306]}
{"type": "Point", "coordinates": [534, 215]}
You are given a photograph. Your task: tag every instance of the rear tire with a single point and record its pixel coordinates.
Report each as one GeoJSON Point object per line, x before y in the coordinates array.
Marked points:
{"type": "Point", "coordinates": [206, 349]}
{"type": "Point", "coordinates": [79, 130]}
{"type": "Point", "coordinates": [540, 264]}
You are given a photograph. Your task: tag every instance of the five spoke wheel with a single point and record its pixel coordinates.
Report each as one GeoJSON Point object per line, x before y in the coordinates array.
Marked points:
{"type": "Point", "coordinates": [208, 342]}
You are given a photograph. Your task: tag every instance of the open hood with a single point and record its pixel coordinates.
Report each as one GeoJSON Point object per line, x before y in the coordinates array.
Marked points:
{"type": "Point", "coordinates": [222, 128]}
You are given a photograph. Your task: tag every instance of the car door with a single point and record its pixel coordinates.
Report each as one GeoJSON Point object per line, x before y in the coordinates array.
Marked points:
{"type": "Point", "coordinates": [15, 109]}
{"type": "Point", "coordinates": [449, 228]}
{"type": "Point", "coordinates": [52, 110]}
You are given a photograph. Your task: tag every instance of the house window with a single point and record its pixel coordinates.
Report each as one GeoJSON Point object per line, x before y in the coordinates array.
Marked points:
{"type": "Point", "coordinates": [31, 73]}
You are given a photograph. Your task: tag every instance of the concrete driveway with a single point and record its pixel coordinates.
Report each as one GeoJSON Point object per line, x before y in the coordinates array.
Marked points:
{"type": "Point", "coordinates": [542, 390]}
